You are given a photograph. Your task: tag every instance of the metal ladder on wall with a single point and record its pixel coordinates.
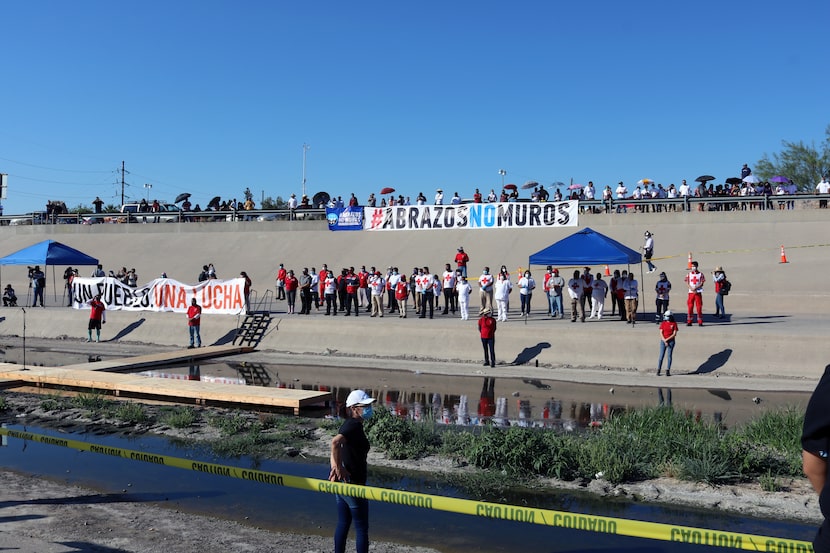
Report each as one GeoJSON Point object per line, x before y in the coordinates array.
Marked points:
{"type": "Point", "coordinates": [256, 322]}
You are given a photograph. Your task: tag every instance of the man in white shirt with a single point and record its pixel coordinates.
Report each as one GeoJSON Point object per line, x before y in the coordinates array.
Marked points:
{"type": "Point", "coordinates": [683, 191]}
{"type": "Point", "coordinates": [485, 293]}
{"type": "Point", "coordinates": [632, 294]}
{"type": "Point", "coordinates": [448, 282]}
{"type": "Point", "coordinates": [439, 197]}
{"type": "Point", "coordinates": [621, 194]}
{"type": "Point", "coordinates": [823, 187]}
{"type": "Point", "coordinates": [429, 294]}
{"type": "Point", "coordinates": [575, 291]}
{"type": "Point", "coordinates": [463, 289]}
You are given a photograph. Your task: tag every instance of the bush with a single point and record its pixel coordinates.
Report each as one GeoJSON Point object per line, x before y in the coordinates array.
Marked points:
{"type": "Point", "coordinates": [178, 417]}
{"type": "Point", "coordinates": [401, 438]}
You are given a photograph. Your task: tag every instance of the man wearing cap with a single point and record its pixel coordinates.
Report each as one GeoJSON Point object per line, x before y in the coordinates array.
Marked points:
{"type": "Point", "coordinates": [668, 333]}
{"type": "Point", "coordinates": [695, 281]}
{"type": "Point", "coordinates": [662, 289]}
{"type": "Point", "coordinates": [97, 317]}
{"type": "Point", "coordinates": [348, 460]}
{"type": "Point", "coordinates": [621, 193]}
{"type": "Point", "coordinates": [648, 251]}
{"type": "Point", "coordinates": [463, 290]}
{"type": "Point", "coordinates": [439, 197]}
{"type": "Point", "coordinates": [575, 291]}
{"type": "Point", "coordinates": [461, 260]}
{"type": "Point", "coordinates": [281, 274]}
{"type": "Point", "coordinates": [487, 329]}
{"type": "Point", "coordinates": [632, 295]}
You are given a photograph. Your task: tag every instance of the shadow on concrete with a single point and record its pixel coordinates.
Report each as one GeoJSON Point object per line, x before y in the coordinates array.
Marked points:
{"type": "Point", "coordinates": [226, 339]}
{"type": "Point", "coordinates": [127, 330]}
{"type": "Point", "coordinates": [529, 354]}
{"type": "Point", "coordinates": [715, 361]}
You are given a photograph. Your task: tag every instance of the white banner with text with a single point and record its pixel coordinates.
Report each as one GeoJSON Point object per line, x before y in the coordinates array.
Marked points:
{"type": "Point", "coordinates": [472, 216]}
{"type": "Point", "coordinates": [162, 294]}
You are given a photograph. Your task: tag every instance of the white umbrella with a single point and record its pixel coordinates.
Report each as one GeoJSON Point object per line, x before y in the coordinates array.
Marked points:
{"type": "Point", "coordinates": [751, 179]}
{"type": "Point", "coordinates": [646, 182]}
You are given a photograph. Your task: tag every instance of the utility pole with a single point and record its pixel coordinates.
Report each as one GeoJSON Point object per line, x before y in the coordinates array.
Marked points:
{"type": "Point", "coordinates": [122, 182]}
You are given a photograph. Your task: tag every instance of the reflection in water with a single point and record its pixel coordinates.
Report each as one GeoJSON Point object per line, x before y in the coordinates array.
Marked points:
{"type": "Point", "coordinates": [502, 401]}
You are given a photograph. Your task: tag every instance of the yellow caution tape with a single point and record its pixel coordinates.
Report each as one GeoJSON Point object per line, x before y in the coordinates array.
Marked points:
{"type": "Point", "coordinates": [545, 517]}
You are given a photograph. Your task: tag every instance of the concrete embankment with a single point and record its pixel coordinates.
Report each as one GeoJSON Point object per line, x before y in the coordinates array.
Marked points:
{"type": "Point", "coordinates": [776, 327]}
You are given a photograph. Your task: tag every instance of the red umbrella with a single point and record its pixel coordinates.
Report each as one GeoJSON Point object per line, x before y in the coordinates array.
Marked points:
{"type": "Point", "coordinates": [510, 187]}
{"type": "Point", "coordinates": [387, 190]}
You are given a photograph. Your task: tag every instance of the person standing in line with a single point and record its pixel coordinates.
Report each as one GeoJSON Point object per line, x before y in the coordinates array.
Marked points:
{"type": "Point", "coordinates": [721, 290]}
{"type": "Point", "coordinates": [38, 284]}
{"type": "Point", "coordinates": [555, 285]}
{"type": "Point", "coordinates": [662, 289]}
{"type": "Point", "coordinates": [194, 323]}
{"type": "Point", "coordinates": [695, 281]}
{"type": "Point", "coordinates": [547, 276]}
{"type": "Point", "coordinates": [485, 293]}
{"type": "Point", "coordinates": [526, 286]}
{"type": "Point", "coordinates": [648, 251]}
{"type": "Point", "coordinates": [352, 285]}
{"type": "Point", "coordinates": [668, 332]}
{"type": "Point", "coordinates": [349, 454]}
{"type": "Point", "coordinates": [377, 285]}
{"type": "Point", "coordinates": [823, 188]}
{"type": "Point", "coordinates": [448, 281]}
{"type": "Point", "coordinates": [587, 280]}
{"type": "Point", "coordinates": [501, 294]}
{"type": "Point", "coordinates": [428, 294]}
{"type": "Point", "coordinates": [815, 445]}
{"type": "Point", "coordinates": [575, 290]}
{"type": "Point", "coordinates": [464, 290]}
{"type": "Point", "coordinates": [487, 329]}
{"type": "Point", "coordinates": [330, 293]}
{"type": "Point", "coordinates": [97, 317]}
{"type": "Point", "coordinates": [599, 291]}
{"type": "Point", "coordinates": [69, 275]}
{"type": "Point", "coordinates": [281, 274]}
{"type": "Point", "coordinates": [632, 295]}
{"type": "Point", "coordinates": [305, 292]}
{"type": "Point", "coordinates": [363, 296]}
{"type": "Point", "coordinates": [315, 289]}
{"type": "Point", "coordinates": [401, 295]}
{"type": "Point", "coordinates": [291, 285]}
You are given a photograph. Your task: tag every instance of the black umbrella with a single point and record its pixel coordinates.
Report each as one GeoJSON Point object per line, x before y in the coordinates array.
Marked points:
{"type": "Point", "coordinates": [182, 197]}
{"type": "Point", "coordinates": [320, 198]}
{"type": "Point", "coordinates": [733, 180]}
{"type": "Point", "coordinates": [530, 184]}
{"type": "Point", "coordinates": [704, 178]}
{"type": "Point", "coordinates": [214, 202]}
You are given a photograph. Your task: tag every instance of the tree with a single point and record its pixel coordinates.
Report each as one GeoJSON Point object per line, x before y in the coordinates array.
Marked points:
{"type": "Point", "coordinates": [803, 164]}
{"type": "Point", "coordinates": [270, 203]}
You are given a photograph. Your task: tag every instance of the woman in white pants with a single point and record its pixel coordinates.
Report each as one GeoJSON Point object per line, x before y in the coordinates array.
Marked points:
{"type": "Point", "coordinates": [464, 289]}
{"type": "Point", "coordinates": [501, 294]}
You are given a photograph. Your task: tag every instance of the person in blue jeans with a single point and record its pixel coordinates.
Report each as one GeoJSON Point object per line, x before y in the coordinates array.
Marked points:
{"type": "Point", "coordinates": [668, 333]}
{"type": "Point", "coordinates": [349, 451]}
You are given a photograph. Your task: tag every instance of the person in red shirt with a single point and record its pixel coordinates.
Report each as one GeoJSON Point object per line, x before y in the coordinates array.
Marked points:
{"type": "Point", "coordinates": [487, 328]}
{"type": "Point", "coordinates": [461, 260]}
{"type": "Point", "coordinates": [281, 274]}
{"type": "Point", "coordinates": [668, 332]}
{"type": "Point", "coordinates": [477, 197]}
{"type": "Point", "coordinates": [401, 295]}
{"type": "Point", "coordinates": [96, 318]}
{"type": "Point", "coordinates": [291, 285]}
{"type": "Point", "coordinates": [194, 323]}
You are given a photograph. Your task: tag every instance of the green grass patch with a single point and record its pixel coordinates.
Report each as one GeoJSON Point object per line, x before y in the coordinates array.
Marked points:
{"type": "Point", "coordinates": [178, 416]}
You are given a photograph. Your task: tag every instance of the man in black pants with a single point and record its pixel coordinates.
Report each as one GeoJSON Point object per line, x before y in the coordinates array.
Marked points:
{"type": "Point", "coordinates": [429, 296]}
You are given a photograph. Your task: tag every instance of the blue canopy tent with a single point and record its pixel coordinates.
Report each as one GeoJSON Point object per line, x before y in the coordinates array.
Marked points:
{"type": "Point", "coordinates": [586, 247]}
{"type": "Point", "coordinates": [48, 253]}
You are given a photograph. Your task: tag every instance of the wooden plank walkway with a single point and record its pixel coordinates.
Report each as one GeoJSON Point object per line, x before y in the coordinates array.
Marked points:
{"type": "Point", "coordinates": [100, 376]}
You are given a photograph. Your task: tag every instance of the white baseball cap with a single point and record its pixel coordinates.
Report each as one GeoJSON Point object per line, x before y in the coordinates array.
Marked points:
{"type": "Point", "coordinates": [359, 397]}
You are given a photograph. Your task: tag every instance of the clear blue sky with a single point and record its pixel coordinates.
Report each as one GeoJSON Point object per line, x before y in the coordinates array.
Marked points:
{"type": "Point", "coordinates": [210, 97]}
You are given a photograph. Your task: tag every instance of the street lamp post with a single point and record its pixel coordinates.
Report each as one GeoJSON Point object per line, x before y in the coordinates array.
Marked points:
{"type": "Point", "coordinates": [306, 148]}
{"type": "Point", "coordinates": [502, 172]}
{"type": "Point", "coordinates": [148, 187]}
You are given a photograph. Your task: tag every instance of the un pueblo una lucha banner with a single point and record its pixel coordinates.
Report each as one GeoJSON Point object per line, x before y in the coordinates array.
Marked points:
{"type": "Point", "coordinates": [162, 294]}
{"type": "Point", "coordinates": [472, 216]}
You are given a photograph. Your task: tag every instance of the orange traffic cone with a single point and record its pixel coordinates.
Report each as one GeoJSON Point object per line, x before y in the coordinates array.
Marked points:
{"type": "Point", "coordinates": [783, 255]}
{"type": "Point", "coordinates": [689, 265]}
{"type": "Point", "coordinates": [607, 271]}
